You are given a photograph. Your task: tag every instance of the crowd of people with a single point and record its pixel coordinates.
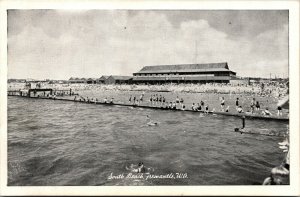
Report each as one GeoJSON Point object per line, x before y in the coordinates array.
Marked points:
{"type": "Point", "coordinates": [158, 100]}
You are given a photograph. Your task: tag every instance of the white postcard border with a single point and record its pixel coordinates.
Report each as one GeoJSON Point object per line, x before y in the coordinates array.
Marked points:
{"type": "Point", "coordinates": [292, 189]}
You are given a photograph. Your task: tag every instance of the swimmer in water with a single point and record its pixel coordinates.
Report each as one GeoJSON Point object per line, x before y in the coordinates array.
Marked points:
{"type": "Point", "coordinates": [279, 176]}
{"type": "Point", "coordinates": [140, 168]}
{"type": "Point", "coordinates": [151, 122]}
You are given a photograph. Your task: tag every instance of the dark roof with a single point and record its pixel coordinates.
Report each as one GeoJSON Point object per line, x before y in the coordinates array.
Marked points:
{"type": "Point", "coordinates": [103, 77]}
{"type": "Point", "coordinates": [117, 77]}
{"type": "Point", "coordinates": [76, 79]}
{"type": "Point", "coordinates": [186, 68]}
{"type": "Point", "coordinates": [91, 79]}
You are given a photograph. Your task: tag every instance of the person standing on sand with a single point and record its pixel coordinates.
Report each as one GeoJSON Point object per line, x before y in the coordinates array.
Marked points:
{"type": "Point", "coordinates": [160, 100]}
{"type": "Point", "coordinates": [181, 102]}
{"type": "Point", "coordinates": [163, 101]}
{"type": "Point", "coordinates": [222, 104]}
{"type": "Point", "coordinates": [206, 109]}
{"type": "Point", "coordinates": [252, 105]}
{"type": "Point", "coordinates": [199, 107]}
{"type": "Point", "coordinates": [237, 104]}
{"type": "Point", "coordinates": [279, 111]}
{"type": "Point", "coordinates": [141, 98]}
{"type": "Point", "coordinates": [151, 98]}
{"type": "Point", "coordinates": [227, 109]}
{"type": "Point", "coordinates": [202, 104]}
{"type": "Point", "coordinates": [177, 100]}
{"type": "Point", "coordinates": [266, 112]}
{"type": "Point", "coordinates": [173, 105]}
{"type": "Point", "coordinates": [240, 109]}
{"type": "Point", "coordinates": [257, 105]}
{"type": "Point", "coordinates": [130, 99]}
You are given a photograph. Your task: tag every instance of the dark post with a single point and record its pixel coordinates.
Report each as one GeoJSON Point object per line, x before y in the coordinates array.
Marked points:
{"type": "Point", "coordinates": [243, 121]}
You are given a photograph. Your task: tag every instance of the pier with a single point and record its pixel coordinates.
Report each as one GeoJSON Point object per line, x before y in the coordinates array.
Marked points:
{"type": "Point", "coordinates": [35, 91]}
{"type": "Point", "coordinates": [248, 116]}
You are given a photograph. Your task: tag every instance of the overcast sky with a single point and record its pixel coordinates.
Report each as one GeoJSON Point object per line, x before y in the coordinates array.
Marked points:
{"type": "Point", "coordinates": [59, 44]}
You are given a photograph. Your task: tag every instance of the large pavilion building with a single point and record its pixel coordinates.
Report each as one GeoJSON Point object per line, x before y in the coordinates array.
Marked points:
{"type": "Point", "coordinates": [185, 73]}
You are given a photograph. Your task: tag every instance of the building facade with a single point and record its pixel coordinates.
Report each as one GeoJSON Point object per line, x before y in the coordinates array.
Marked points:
{"type": "Point", "coordinates": [184, 73]}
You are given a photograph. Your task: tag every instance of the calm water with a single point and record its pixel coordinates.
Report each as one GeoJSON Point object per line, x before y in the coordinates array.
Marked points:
{"type": "Point", "coordinates": [65, 143]}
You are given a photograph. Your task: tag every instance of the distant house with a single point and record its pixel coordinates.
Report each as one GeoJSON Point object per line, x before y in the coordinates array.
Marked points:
{"type": "Point", "coordinates": [76, 80]}
{"type": "Point", "coordinates": [184, 73]}
{"type": "Point", "coordinates": [12, 80]}
{"type": "Point", "coordinates": [21, 80]}
{"type": "Point", "coordinates": [91, 80]}
{"type": "Point", "coordinates": [115, 79]}
{"type": "Point", "coordinates": [102, 79]}
{"type": "Point", "coordinates": [83, 79]}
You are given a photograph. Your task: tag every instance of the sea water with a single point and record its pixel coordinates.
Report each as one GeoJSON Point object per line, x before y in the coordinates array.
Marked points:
{"type": "Point", "coordinates": [57, 143]}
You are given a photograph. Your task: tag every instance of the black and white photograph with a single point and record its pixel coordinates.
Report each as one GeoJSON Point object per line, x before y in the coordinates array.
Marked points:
{"type": "Point", "coordinates": [149, 97]}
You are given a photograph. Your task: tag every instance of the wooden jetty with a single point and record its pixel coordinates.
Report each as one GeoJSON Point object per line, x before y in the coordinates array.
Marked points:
{"type": "Point", "coordinates": [35, 91]}
{"type": "Point", "coordinates": [248, 116]}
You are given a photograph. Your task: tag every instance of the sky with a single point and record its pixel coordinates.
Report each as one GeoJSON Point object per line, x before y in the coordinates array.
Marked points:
{"type": "Point", "coordinates": [59, 44]}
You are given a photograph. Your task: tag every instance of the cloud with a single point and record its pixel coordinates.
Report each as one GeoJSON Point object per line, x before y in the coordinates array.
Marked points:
{"type": "Point", "coordinates": [59, 44]}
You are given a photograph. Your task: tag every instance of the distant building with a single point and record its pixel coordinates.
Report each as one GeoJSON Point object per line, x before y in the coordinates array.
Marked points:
{"type": "Point", "coordinates": [184, 73]}
{"type": "Point", "coordinates": [114, 79]}
{"type": "Point", "coordinates": [102, 79]}
{"type": "Point", "coordinates": [12, 80]}
{"type": "Point", "coordinates": [76, 80]}
{"type": "Point", "coordinates": [91, 80]}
